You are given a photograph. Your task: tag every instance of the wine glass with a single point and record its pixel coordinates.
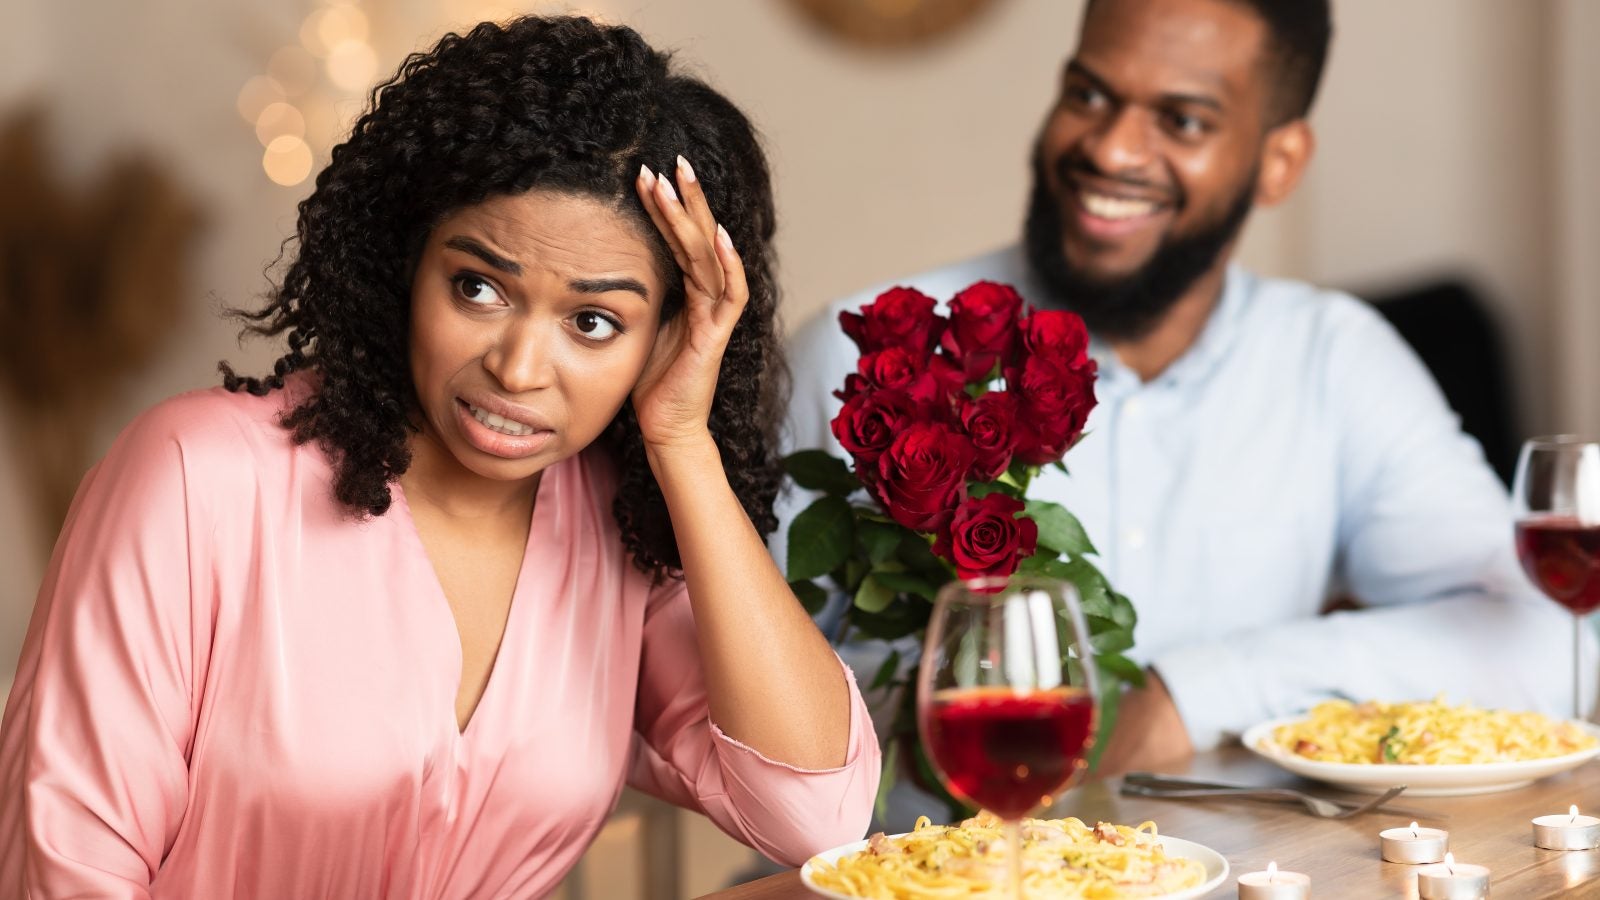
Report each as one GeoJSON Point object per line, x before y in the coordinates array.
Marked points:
{"type": "Point", "coordinates": [1557, 501]}
{"type": "Point", "coordinates": [1006, 696]}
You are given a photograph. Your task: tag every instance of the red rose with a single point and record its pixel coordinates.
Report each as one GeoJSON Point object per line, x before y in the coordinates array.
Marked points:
{"type": "Point", "coordinates": [989, 422]}
{"type": "Point", "coordinates": [1055, 400]}
{"type": "Point", "coordinates": [923, 475]}
{"type": "Point", "coordinates": [868, 423]}
{"type": "Point", "coordinates": [985, 537]}
{"type": "Point", "coordinates": [940, 382]}
{"type": "Point", "coordinates": [1057, 335]}
{"type": "Point", "coordinates": [900, 317]}
{"type": "Point", "coordinates": [983, 327]}
{"type": "Point", "coordinates": [853, 384]}
{"type": "Point", "coordinates": [891, 367]}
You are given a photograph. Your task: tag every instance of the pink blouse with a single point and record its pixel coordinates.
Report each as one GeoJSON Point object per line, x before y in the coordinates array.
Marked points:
{"type": "Point", "coordinates": [231, 689]}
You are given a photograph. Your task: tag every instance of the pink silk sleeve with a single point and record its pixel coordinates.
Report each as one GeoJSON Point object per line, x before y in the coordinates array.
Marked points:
{"type": "Point", "coordinates": [787, 813]}
{"type": "Point", "coordinates": [97, 728]}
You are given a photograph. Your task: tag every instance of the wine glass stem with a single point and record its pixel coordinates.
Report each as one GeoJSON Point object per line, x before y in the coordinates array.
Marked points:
{"type": "Point", "coordinates": [1014, 846]}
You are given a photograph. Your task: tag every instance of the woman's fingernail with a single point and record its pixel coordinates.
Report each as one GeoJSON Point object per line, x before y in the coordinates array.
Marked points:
{"type": "Point", "coordinates": [644, 172]}
{"type": "Point", "coordinates": [666, 187]}
{"type": "Point", "coordinates": [722, 237]}
{"type": "Point", "coordinates": [684, 169]}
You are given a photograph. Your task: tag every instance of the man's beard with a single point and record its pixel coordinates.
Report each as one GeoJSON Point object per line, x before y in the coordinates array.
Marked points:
{"type": "Point", "coordinates": [1126, 308]}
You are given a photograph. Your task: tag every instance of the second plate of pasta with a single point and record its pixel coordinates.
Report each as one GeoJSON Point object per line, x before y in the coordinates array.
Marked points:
{"type": "Point", "coordinates": [1066, 859]}
{"type": "Point", "coordinates": [1433, 748]}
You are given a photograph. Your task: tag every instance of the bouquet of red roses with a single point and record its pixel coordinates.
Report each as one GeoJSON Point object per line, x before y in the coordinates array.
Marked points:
{"type": "Point", "coordinates": [947, 420]}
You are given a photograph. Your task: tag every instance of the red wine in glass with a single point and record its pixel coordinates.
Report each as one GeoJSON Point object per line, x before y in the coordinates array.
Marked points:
{"type": "Point", "coordinates": [1562, 557]}
{"type": "Point", "coordinates": [1556, 497]}
{"type": "Point", "coordinates": [1008, 751]}
{"type": "Point", "coordinates": [1006, 696]}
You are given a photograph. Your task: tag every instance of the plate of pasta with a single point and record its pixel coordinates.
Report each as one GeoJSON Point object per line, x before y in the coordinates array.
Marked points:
{"type": "Point", "coordinates": [1434, 748]}
{"type": "Point", "coordinates": [1062, 858]}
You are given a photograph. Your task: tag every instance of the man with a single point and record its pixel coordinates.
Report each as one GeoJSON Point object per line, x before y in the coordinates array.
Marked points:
{"type": "Point", "coordinates": [1260, 446]}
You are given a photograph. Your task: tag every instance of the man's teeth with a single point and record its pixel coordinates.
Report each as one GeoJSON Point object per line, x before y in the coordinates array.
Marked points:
{"type": "Point", "coordinates": [497, 423]}
{"type": "Point", "coordinates": [1104, 207]}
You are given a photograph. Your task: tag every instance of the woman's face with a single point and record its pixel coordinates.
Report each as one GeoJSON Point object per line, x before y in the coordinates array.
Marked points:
{"type": "Point", "coordinates": [531, 320]}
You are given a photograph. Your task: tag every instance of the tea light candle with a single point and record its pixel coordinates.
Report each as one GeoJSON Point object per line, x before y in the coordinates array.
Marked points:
{"type": "Point", "coordinates": [1569, 832]}
{"type": "Point", "coordinates": [1274, 885]}
{"type": "Point", "coordinates": [1414, 845]}
{"type": "Point", "coordinates": [1451, 880]}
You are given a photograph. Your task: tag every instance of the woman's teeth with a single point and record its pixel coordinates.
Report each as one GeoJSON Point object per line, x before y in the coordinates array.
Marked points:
{"type": "Point", "coordinates": [500, 424]}
{"type": "Point", "coordinates": [1115, 208]}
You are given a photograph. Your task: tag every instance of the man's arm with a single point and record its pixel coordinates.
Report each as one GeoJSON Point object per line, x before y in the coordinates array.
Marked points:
{"type": "Point", "coordinates": [1424, 541]}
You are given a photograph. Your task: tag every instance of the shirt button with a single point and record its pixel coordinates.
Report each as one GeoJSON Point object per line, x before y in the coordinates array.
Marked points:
{"type": "Point", "coordinates": [1133, 407]}
{"type": "Point", "coordinates": [1134, 538]}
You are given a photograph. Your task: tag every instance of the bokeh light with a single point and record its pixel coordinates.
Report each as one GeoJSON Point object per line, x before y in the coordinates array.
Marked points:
{"type": "Point", "coordinates": [294, 69]}
{"type": "Point", "coordinates": [334, 26]}
{"type": "Point", "coordinates": [353, 65]}
{"type": "Point", "coordinates": [287, 160]}
{"type": "Point", "coordinates": [257, 94]}
{"type": "Point", "coordinates": [279, 120]}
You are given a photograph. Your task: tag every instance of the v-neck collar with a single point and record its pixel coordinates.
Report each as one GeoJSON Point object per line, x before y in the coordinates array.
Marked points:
{"type": "Point", "coordinates": [539, 526]}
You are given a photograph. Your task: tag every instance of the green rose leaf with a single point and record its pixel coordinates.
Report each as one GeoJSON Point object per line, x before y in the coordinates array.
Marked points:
{"type": "Point", "coordinates": [1058, 529]}
{"type": "Point", "coordinates": [979, 491]}
{"type": "Point", "coordinates": [820, 538]}
{"type": "Point", "coordinates": [1093, 592]}
{"type": "Point", "coordinates": [1106, 638]}
{"type": "Point", "coordinates": [873, 596]}
{"type": "Point", "coordinates": [907, 583]}
{"type": "Point", "coordinates": [887, 671]}
{"type": "Point", "coordinates": [886, 780]}
{"type": "Point", "coordinates": [1120, 668]}
{"type": "Point", "coordinates": [879, 540]}
{"type": "Point", "coordinates": [818, 470]}
{"type": "Point", "coordinates": [898, 620]}
{"type": "Point", "coordinates": [1122, 611]}
{"type": "Point", "coordinates": [811, 597]}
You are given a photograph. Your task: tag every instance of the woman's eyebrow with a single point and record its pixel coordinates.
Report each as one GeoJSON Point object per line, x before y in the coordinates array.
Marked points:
{"type": "Point", "coordinates": [468, 245]}
{"type": "Point", "coordinates": [607, 285]}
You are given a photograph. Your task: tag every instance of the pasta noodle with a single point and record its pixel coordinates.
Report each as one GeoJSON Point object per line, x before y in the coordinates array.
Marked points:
{"type": "Point", "coordinates": [1061, 858]}
{"type": "Point", "coordinates": [1431, 733]}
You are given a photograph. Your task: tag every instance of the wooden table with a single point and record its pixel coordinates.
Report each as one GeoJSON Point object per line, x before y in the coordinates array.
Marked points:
{"type": "Point", "coordinates": [1341, 856]}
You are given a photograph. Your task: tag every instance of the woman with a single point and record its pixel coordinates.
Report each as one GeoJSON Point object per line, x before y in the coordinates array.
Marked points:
{"type": "Point", "coordinates": [401, 619]}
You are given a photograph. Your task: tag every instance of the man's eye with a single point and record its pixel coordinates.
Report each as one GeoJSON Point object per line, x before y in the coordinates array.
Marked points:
{"type": "Point", "coordinates": [1185, 125]}
{"type": "Point", "coordinates": [473, 289]}
{"type": "Point", "coordinates": [1084, 96]}
{"type": "Point", "coordinates": [595, 326]}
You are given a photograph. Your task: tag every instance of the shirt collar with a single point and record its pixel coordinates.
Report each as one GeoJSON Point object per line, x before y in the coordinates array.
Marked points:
{"type": "Point", "coordinates": [1201, 358]}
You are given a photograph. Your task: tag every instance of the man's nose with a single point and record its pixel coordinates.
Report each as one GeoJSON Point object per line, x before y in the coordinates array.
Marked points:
{"type": "Point", "coordinates": [1122, 144]}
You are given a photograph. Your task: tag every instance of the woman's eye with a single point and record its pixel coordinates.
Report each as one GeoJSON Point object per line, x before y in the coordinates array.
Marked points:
{"type": "Point", "coordinates": [475, 290]}
{"type": "Point", "coordinates": [595, 326]}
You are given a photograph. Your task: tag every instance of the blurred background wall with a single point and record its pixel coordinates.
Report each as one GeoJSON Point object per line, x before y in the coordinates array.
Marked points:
{"type": "Point", "coordinates": [1456, 141]}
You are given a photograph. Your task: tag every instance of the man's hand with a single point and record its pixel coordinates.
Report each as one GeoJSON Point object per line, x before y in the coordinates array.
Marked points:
{"type": "Point", "coordinates": [1149, 733]}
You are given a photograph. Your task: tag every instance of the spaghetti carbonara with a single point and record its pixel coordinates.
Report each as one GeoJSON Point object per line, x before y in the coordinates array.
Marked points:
{"type": "Point", "coordinates": [1061, 858]}
{"type": "Point", "coordinates": [1432, 733]}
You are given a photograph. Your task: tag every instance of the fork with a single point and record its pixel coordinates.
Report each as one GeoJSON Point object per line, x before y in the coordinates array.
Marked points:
{"type": "Point", "coordinates": [1144, 784]}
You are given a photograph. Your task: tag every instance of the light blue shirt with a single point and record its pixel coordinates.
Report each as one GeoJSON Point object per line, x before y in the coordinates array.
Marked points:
{"type": "Point", "coordinates": [1298, 451]}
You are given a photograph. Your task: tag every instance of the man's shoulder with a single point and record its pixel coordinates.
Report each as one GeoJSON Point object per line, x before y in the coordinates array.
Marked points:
{"type": "Point", "coordinates": [1280, 310]}
{"type": "Point", "coordinates": [1007, 264]}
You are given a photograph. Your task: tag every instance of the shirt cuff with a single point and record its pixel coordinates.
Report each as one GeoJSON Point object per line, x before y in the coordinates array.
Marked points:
{"type": "Point", "coordinates": [1215, 692]}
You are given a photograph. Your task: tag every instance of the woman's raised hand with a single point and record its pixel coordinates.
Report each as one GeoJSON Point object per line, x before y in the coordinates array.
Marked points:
{"type": "Point", "coordinates": [673, 397]}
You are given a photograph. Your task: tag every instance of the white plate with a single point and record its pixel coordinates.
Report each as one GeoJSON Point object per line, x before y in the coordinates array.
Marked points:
{"type": "Point", "coordinates": [1216, 867]}
{"type": "Point", "coordinates": [1420, 780]}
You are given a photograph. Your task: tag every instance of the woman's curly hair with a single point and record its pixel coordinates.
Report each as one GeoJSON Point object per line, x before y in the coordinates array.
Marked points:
{"type": "Point", "coordinates": [549, 103]}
